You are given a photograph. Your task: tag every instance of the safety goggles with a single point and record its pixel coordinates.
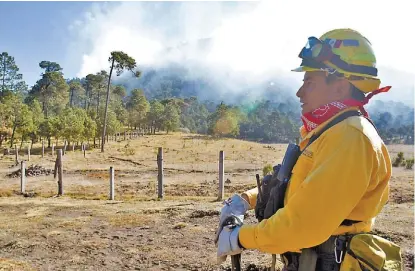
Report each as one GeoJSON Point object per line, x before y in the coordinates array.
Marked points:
{"type": "Point", "coordinates": [316, 52]}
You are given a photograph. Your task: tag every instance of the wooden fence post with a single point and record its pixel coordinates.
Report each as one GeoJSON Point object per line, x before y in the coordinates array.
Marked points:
{"type": "Point", "coordinates": [111, 183]}
{"type": "Point", "coordinates": [23, 177]}
{"type": "Point", "coordinates": [28, 153]}
{"type": "Point", "coordinates": [221, 176]}
{"type": "Point", "coordinates": [160, 172]}
{"type": "Point", "coordinates": [16, 154]}
{"type": "Point", "coordinates": [60, 172]}
{"type": "Point", "coordinates": [43, 148]}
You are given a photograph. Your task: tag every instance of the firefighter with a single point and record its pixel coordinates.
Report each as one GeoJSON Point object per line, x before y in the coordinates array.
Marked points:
{"type": "Point", "coordinates": [340, 183]}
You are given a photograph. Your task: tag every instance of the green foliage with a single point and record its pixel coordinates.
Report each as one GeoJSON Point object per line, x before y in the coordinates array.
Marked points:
{"type": "Point", "coordinates": [119, 92]}
{"type": "Point", "coordinates": [52, 90]}
{"type": "Point", "coordinates": [10, 78]}
{"type": "Point", "coordinates": [113, 124]}
{"type": "Point", "coordinates": [90, 128]}
{"type": "Point", "coordinates": [171, 117]}
{"type": "Point", "coordinates": [122, 62]}
{"type": "Point", "coordinates": [194, 116]}
{"type": "Point", "coordinates": [155, 116]}
{"type": "Point", "coordinates": [225, 121]}
{"type": "Point", "coordinates": [76, 93]}
{"type": "Point", "coordinates": [399, 160]}
{"type": "Point", "coordinates": [267, 169]}
{"type": "Point", "coordinates": [409, 163]}
{"type": "Point", "coordinates": [137, 107]}
{"type": "Point", "coordinates": [74, 109]}
{"type": "Point", "coordinates": [73, 123]}
{"type": "Point", "coordinates": [49, 66]}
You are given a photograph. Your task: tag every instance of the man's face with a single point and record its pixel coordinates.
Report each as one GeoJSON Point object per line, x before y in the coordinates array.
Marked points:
{"type": "Point", "coordinates": [315, 91]}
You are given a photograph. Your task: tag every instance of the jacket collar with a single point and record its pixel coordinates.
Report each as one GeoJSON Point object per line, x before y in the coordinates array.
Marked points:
{"type": "Point", "coordinates": [306, 135]}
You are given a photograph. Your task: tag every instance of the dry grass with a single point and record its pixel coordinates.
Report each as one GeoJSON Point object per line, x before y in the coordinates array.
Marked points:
{"type": "Point", "coordinates": [83, 228]}
{"type": "Point", "coordinates": [14, 265]}
{"type": "Point", "coordinates": [133, 220]}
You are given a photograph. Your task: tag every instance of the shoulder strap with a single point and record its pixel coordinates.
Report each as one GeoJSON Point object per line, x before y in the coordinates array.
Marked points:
{"type": "Point", "coordinates": [336, 120]}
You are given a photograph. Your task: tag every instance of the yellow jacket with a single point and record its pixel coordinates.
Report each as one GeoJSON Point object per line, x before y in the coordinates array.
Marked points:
{"type": "Point", "coordinates": [344, 174]}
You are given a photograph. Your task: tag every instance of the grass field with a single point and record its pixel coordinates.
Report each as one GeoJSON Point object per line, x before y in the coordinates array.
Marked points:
{"type": "Point", "coordinates": [82, 230]}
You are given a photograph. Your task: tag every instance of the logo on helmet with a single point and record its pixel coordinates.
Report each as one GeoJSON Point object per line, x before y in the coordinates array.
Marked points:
{"type": "Point", "coordinates": [336, 43]}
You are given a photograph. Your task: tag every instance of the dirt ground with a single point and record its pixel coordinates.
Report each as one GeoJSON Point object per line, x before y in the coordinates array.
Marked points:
{"type": "Point", "coordinates": [83, 230]}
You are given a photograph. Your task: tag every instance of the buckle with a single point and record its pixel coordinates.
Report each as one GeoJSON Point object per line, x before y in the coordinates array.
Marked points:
{"type": "Point", "coordinates": [339, 247]}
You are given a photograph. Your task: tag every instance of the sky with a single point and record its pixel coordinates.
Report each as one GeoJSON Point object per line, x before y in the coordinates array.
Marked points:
{"type": "Point", "coordinates": [250, 38]}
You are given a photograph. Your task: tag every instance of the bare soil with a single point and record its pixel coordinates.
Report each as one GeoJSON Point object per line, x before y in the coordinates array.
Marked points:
{"type": "Point", "coordinates": [83, 230]}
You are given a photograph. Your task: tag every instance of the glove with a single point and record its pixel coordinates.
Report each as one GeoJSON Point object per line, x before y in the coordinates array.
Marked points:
{"type": "Point", "coordinates": [228, 241]}
{"type": "Point", "coordinates": [234, 206]}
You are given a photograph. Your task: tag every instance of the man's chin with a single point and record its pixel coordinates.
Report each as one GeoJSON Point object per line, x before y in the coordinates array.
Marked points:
{"type": "Point", "coordinates": [305, 110]}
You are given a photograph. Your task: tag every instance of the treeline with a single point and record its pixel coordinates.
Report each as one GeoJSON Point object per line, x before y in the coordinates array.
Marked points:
{"type": "Point", "coordinates": [394, 121]}
{"type": "Point", "coordinates": [56, 108]}
{"type": "Point", "coordinates": [73, 109]}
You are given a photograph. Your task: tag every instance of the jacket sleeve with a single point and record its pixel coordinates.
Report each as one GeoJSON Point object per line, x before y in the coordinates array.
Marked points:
{"type": "Point", "coordinates": [251, 195]}
{"type": "Point", "coordinates": [337, 180]}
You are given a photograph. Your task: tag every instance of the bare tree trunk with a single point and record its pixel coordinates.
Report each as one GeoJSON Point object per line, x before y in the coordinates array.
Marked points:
{"type": "Point", "coordinates": [71, 101]}
{"type": "Point", "coordinates": [4, 75]}
{"type": "Point", "coordinates": [21, 143]}
{"type": "Point", "coordinates": [12, 138]}
{"type": "Point", "coordinates": [98, 104]}
{"type": "Point", "coordinates": [106, 106]}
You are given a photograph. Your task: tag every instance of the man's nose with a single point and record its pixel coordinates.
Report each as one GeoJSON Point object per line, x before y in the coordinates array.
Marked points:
{"type": "Point", "coordinates": [299, 92]}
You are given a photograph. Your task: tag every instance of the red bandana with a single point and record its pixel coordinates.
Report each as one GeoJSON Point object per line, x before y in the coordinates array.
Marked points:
{"type": "Point", "coordinates": [316, 117]}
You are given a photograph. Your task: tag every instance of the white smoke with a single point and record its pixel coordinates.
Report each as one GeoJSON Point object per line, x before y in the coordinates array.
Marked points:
{"type": "Point", "coordinates": [250, 39]}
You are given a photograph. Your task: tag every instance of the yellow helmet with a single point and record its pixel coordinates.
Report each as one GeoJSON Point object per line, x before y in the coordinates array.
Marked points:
{"type": "Point", "coordinates": [345, 52]}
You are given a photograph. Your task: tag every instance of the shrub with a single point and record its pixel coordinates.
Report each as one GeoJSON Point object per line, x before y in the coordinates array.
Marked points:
{"type": "Point", "coordinates": [409, 163]}
{"type": "Point", "coordinates": [267, 169]}
{"type": "Point", "coordinates": [399, 160]}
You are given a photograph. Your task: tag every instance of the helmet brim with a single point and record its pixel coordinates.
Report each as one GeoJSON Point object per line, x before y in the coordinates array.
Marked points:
{"type": "Point", "coordinates": [305, 69]}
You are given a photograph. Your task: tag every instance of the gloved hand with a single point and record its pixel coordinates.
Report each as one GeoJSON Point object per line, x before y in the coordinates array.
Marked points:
{"type": "Point", "coordinates": [234, 206]}
{"type": "Point", "coordinates": [228, 240]}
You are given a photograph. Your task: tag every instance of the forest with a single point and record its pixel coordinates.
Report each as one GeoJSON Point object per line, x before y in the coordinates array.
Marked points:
{"type": "Point", "coordinates": [153, 100]}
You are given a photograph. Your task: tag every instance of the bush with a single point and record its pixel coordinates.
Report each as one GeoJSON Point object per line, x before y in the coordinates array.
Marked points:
{"type": "Point", "coordinates": [128, 150]}
{"type": "Point", "coordinates": [409, 163]}
{"type": "Point", "coordinates": [399, 160]}
{"type": "Point", "coordinates": [267, 169]}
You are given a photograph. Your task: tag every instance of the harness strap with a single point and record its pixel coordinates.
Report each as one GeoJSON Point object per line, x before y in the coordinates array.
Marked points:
{"type": "Point", "coordinates": [336, 120]}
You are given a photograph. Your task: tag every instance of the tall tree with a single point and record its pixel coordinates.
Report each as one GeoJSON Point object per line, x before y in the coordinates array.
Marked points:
{"type": "Point", "coordinates": [52, 89]}
{"type": "Point", "coordinates": [155, 116]}
{"type": "Point", "coordinates": [171, 117]}
{"type": "Point", "coordinates": [49, 66]}
{"type": "Point", "coordinates": [76, 92]}
{"type": "Point", "coordinates": [100, 80]}
{"type": "Point", "coordinates": [225, 121]}
{"type": "Point", "coordinates": [10, 78]}
{"type": "Point", "coordinates": [137, 106]}
{"type": "Point", "coordinates": [119, 61]}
